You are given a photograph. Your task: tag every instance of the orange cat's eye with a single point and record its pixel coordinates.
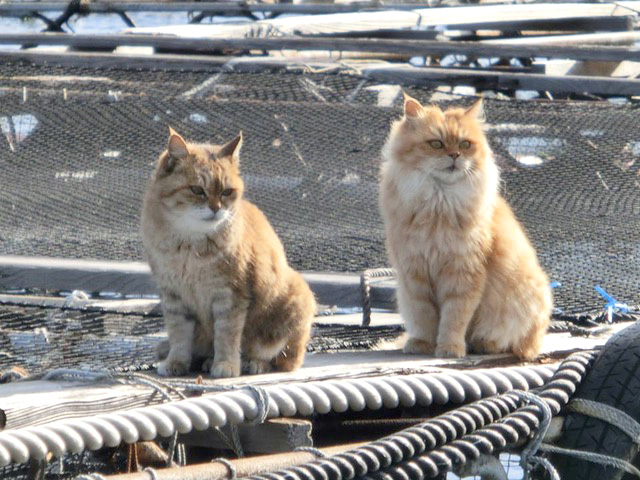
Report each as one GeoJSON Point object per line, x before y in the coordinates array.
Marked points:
{"type": "Point", "coordinates": [437, 144]}
{"type": "Point", "coordinates": [197, 190]}
{"type": "Point", "coordinates": [226, 192]}
{"type": "Point", "coordinates": [465, 144]}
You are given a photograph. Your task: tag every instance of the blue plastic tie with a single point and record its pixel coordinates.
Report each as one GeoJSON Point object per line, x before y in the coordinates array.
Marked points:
{"type": "Point", "coordinates": [612, 304]}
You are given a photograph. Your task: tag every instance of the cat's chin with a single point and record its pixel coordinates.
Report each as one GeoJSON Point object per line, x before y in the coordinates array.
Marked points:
{"type": "Point", "coordinates": [197, 226]}
{"type": "Point", "coordinates": [449, 175]}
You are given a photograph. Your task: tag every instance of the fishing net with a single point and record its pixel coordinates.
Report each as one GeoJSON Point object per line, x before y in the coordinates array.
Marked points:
{"type": "Point", "coordinates": [79, 144]}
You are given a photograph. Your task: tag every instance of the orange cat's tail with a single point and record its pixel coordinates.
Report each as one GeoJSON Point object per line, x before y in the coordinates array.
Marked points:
{"type": "Point", "coordinates": [530, 345]}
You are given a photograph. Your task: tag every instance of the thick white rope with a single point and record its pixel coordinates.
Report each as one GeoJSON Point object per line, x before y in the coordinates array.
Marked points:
{"type": "Point", "coordinates": [244, 405]}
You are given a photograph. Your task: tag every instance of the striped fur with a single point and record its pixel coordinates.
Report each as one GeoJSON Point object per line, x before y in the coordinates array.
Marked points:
{"type": "Point", "coordinates": [228, 294]}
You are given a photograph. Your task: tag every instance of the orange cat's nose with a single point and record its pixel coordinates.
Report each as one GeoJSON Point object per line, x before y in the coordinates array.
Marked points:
{"type": "Point", "coordinates": [454, 155]}
{"type": "Point", "coordinates": [215, 207]}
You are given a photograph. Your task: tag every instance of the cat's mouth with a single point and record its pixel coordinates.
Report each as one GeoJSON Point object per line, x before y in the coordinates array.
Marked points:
{"type": "Point", "coordinates": [451, 168]}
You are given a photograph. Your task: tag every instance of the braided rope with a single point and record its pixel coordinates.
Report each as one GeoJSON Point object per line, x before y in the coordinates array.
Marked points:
{"type": "Point", "coordinates": [241, 405]}
{"type": "Point", "coordinates": [436, 446]}
{"type": "Point", "coordinates": [365, 289]}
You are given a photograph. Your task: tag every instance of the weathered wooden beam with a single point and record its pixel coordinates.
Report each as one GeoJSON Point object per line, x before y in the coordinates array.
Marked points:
{"type": "Point", "coordinates": [612, 38]}
{"type": "Point", "coordinates": [191, 63]}
{"type": "Point", "coordinates": [488, 80]}
{"type": "Point", "coordinates": [409, 47]}
{"type": "Point", "coordinates": [576, 23]}
{"type": "Point", "coordinates": [20, 9]}
{"type": "Point", "coordinates": [35, 402]}
{"type": "Point", "coordinates": [244, 467]}
{"type": "Point", "coordinates": [134, 278]}
{"type": "Point", "coordinates": [273, 436]}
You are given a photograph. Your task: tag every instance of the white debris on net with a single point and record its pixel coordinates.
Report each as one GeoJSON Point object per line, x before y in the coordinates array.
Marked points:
{"type": "Point", "coordinates": [529, 160]}
{"type": "Point", "coordinates": [515, 127]}
{"type": "Point", "coordinates": [17, 128]}
{"type": "Point", "coordinates": [592, 133]}
{"type": "Point", "coordinates": [79, 175]}
{"type": "Point", "coordinates": [198, 118]}
{"type": "Point", "coordinates": [387, 94]}
{"type": "Point", "coordinates": [531, 151]}
{"type": "Point", "coordinates": [350, 179]}
{"type": "Point", "coordinates": [75, 298]}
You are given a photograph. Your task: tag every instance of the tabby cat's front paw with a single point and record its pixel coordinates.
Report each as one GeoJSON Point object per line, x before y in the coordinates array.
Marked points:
{"type": "Point", "coordinates": [415, 345]}
{"type": "Point", "coordinates": [451, 350]}
{"type": "Point", "coordinates": [173, 368]}
{"type": "Point", "coordinates": [225, 370]}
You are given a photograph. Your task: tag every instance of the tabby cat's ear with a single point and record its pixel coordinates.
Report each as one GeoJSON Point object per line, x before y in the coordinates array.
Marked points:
{"type": "Point", "coordinates": [232, 149]}
{"type": "Point", "coordinates": [176, 150]}
{"type": "Point", "coordinates": [412, 107]}
{"type": "Point", "coordinates": [476, 110]}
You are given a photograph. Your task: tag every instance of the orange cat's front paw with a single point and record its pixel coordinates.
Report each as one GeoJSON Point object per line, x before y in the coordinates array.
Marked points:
{"type": "Point", "coordinates": [256, 367]}
{"type": "Point", "coordinates": [225, 370]}
{"type": "Point", "coordinates": [415, 345]}
{"type": "Point", "coordinates": [451, 351]}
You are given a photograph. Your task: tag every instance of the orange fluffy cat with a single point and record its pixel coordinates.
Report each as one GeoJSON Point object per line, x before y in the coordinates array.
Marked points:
{"type": "Point", "coordinates": [467, 274]}
{"type": "Point", "coordinates": [228, 294]}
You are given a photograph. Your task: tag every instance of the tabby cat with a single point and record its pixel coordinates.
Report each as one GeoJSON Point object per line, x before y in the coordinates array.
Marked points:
{"type": "Point", "coordinates": [227, 292]}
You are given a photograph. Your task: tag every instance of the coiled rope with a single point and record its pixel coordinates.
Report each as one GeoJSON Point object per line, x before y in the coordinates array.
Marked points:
{"type": "Point", "coordinates": [244, 405]}
{"type": "Point", "coordinates": [440, 444]}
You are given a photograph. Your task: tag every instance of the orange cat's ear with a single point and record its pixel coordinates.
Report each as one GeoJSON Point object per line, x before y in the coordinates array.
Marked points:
{"type": "Point", "coordinates": [476, 110]}
{"type": "Point", "coordinates": [232, 149]}
{"type": "Point", "coordinates": [412, 107]}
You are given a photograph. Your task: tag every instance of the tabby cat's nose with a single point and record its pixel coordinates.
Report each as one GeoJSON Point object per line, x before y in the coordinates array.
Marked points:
{"type": "Point", "coordinates": [454, 155]}
{"type": "Point", "coordinates": [215, 207]}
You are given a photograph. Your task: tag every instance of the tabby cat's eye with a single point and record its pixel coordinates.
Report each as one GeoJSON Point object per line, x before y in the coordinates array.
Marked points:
{"type": "Point", "coordinates": [226, 192]}
{"type": "Point", "coordinates": [197, 190]}
{"type": "Point", "coordinates": [465, 144]}
{"type": "Point", "coordinates": [437, 144]}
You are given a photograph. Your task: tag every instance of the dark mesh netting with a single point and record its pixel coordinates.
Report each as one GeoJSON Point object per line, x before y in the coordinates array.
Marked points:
{"type": "Point", "coordinates": [40, 339]}
{"type": "Point", "coordinates": [78, 146]}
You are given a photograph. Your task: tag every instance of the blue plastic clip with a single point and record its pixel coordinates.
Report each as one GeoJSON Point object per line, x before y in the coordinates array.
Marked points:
{"type": "Point", "coordinates": [611, 305]}
{"type": "Point", "coordinates": [555, 284]}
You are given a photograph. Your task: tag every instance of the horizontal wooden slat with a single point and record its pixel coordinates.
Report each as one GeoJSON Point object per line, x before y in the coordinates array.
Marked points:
{"type": "Point", "coordinates": [134, 278]}
{"type": "Point", "coordinates": [409, 47]}
{"type": "Point", "coordinates": [487, 80]}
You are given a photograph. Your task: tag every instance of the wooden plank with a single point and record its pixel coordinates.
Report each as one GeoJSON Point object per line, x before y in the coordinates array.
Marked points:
{"type": "Point", "coordinates": [243, 467]}
{"type": "Point", "coordinates": [134, 278]}
{"type": "Point", "coordinates": [613, 38]}
{"type": "Point", "coordinates": [409, 47]}
{"type": "Point", "coordinates": [504, 80]}
{"type": "Point", "coordinates": [35, 402]}
{"type": "Point", "coordinates": [20, 9]}
{"type": "Point", "coordinates": [162, 61]}
{"type": "Point", "coordinates": [273, 436]}
{"type": "Point", "coordinates": [576, 23]}
{"type": "Point", "coordinates": [430, 17]}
